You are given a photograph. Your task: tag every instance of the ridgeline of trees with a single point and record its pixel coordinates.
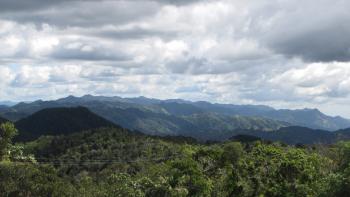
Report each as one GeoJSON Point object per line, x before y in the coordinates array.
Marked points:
{"type": "Point", "coordinates": [117, 162]}
{"type": "Point", "coordinates": [53, 121]}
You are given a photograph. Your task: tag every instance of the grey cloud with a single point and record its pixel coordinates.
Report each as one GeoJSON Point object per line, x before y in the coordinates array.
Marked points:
{"type": "Point", "coordinates": [187, 65]}
{"type": "Point", "coordinates": [313, 31]}
{"type": "Point", "coordinates": [179, 2]}
{"type": "Point", "coordinates": [25, 5]}
{"type": "Point", "coordinates": [330, 44]}
{"type": "Point", "coordinates": [95, 54]}
{"type": "Point", "coordinates": [134, 33]}
{"type": "Point", "coordinates": [188, 89]}
{"type": "Point", "coordinates": [265, 94]}
{"type": "Point", "coordinates": [249, 67]}
{"type": "Point", "coordinates": [103, 74]}
{"type": "Point", "coordinates": [20, 5]}
{"type": "Point", "coordinates": [81, 13]}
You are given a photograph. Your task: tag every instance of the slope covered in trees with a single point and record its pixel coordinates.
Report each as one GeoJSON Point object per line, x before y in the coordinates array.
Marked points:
{"type": "Point", "coordinates": [159, 112]}
{"type": "Point", "coordinates": [298, 135]}
{"type": "Point", "coordinates": [117, 162]}
{"type": "Point", "coordinates": [3, 120]}
{"type": "Point", "coordinates": [203, 126]}
{"type": "Point", "coordinates": [212, 126]}
{"type": "Point", "coordinates": [59, 121]}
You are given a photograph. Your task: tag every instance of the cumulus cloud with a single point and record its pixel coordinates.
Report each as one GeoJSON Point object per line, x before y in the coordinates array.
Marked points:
{"type": "Point", "coordinates": [284, 53]}
{"type": "Point", "coordinates": [317, 80]}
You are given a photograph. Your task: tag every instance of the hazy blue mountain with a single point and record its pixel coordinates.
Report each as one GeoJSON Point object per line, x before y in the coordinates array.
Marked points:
{"type": "Point", "coordinates": [56, 121]}
{"type": "Point", "coordinates": [143, 100]}
{"type": "Point", "coordinates": [151, 101]}
{"type": "Point", "coordinates": [195, 125]}
{"type": "Point", "coordinates": [201, 120]}
{"type": "Point", "coordinates": [180, 109]}
{"type": "Point", "coordinates": [229, 109]}
{"type": "Point", "coordinates": [7, 103]}
{"type": "Point", "coordinates": [213, 126]}
{"type": "Point", "coordinates": [3, 107]}
{"type": "Point", "coordinates": [312, 118]}
{"type": "Point", "coordinates": [180, 117]}
{"type": "Point", "coordinates": [160, 119]}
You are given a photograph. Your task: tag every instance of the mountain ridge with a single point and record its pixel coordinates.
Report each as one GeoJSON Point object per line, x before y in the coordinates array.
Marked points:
{"type": "Point", "coordinates": [201, 126]}
{"type": "Point", "coordinates": [174, 116]}
{"type": "Point", "coordinates": [59, 121]}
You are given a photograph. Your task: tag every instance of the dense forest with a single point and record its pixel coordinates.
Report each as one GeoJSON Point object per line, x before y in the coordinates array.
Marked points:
{"type": "Point", "coordinates": [202, 126]}
{"type": "Point", "coordinates": [118, 162]}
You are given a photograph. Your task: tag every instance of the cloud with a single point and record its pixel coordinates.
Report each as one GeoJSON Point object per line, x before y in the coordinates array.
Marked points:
{"type": "Point", "coordinates": [283, 53]}
{"type": "Point", "coordinates": [87, 51]}
{"type": "Point", "coordinates": [76, 13]}
{"type": "Point", "coordinates": [312, 32]}
{"type": "Point", "coordinates": [12, 6]}
{"type": "Point", "coordinates": [285, 27]}
{"type": "Point", "coordinates": [314, 83]}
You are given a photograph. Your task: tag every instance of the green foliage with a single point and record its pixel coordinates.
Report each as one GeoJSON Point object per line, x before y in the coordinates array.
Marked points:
{"type": "Point", "coordinates": [117, 162]}
{"type": "Point", "coordinates": [232, 153]}
{"type": "Point", "coordinates": [344, 154]}
{"type": "Point", "coordinates": [31, 180]}
{"type": "Point", "coordinates": [186, 174]}
{"type": "Point", "coordinates": [7, 132]}
{"type": "Point", "coordinates": [272, 170]}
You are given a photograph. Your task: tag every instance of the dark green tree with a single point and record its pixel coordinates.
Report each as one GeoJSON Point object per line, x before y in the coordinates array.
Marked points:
{"type": "Point", "coordinates": [7, 132]}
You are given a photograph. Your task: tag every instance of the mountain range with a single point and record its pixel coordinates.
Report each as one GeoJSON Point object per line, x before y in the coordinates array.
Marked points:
{"type": "Point", "coordinates": [201, 120]}
{"type": "Point", "coordinates": [65, 121]}
{"type": "Point", "coordinates": [7, 103]}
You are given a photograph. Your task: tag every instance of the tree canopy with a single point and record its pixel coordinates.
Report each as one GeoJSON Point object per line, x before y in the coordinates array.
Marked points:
{"type": "Point", "coordinates": [117, 162]}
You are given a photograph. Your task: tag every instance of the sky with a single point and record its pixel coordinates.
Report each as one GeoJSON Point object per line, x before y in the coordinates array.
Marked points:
{"type": "Point", "coordinates": [282, 53]}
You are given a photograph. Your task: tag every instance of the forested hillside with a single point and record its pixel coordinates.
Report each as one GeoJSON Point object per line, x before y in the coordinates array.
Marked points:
{"type": "Point", "coordinates": [171, 117]}
{"type": "Point", "coordinates": [2, 120]}
{"type": "Point", "coordinates": [59, 121]}
{"type": "Point", "coordinates": [117, 162]}
{"type": "Point", "coordinates": [151, 116]}
{"type": "Point", "coordinates": [203, 126]}
{"type": "Point", "coordinates": [298, 135]}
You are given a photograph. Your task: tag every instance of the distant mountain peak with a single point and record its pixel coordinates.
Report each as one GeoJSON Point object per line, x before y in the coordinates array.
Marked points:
{"type": "Point", "coordinates": [312, 109]}
{"type": "Point", "coordinates": [167, 116]}
{"type": "Point", "coordinates": [71, 97]}
{"type": "Point", "coordinates": [88, 96]}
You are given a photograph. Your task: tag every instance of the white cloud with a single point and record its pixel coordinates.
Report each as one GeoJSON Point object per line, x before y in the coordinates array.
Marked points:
{"type": "Point", "coordinates": [316, 80]}
{"type": "Point", "coordinates": [283, 53]}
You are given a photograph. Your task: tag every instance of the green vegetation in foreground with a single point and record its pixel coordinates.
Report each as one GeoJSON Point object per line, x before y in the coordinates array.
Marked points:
{"type": "Point", "coordinates": [116, 162]}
